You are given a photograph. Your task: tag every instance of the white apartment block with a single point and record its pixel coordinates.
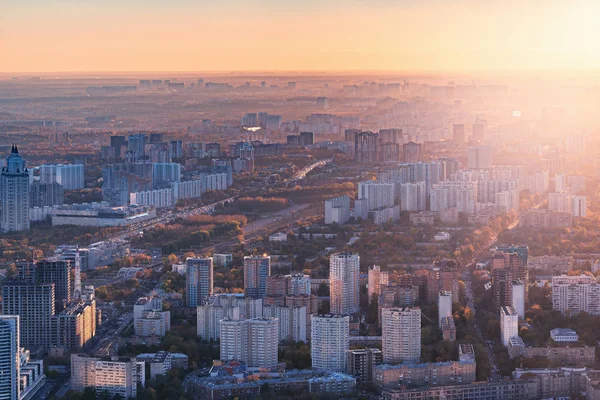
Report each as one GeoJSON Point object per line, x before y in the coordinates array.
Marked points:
{"type": "Point", "coordinates": [480, 157]}
{"type": "Point", "coordinates": [344, 290]}
{"type": "Point", "coordinates": [253, 341]}
{"type": "Point", "coordinates": [538, 182]}
{"type": "Point", "coordinates": [401, 335]}
{"type": "Point", "coordinates": [329, 341]}
{"type": "Point", "coordinates": [187, 189]}
{"type": "Point", "coordinates": [218, 181]}
{"type": "Point", "coordinates": [576, 293]}
{"type": "Point", "coordinates": [337, 210]}
{"type": "Point", "coordinates": [70, 176]}
{"type": "Point", "coordinates": [159, 198]}
{"type": "Point", "coordinates": [291, 321]}
{"type": "Point", "coordinates": [413, 196]}
{"type": "Point", "coordinates": [565, 202]}
{"type": "Point", "coordinates": [378, 195]}
{"type": "Point", "coordinates": [560, 182]}
{"type": "Point", "coordinates": [509, 324]}
{"type": "Point", "coordinates": [115, 376]}
{"type": "Point", "coordinates": [299, 285]}
{"type": "Point", "coordinates": [221, 306]}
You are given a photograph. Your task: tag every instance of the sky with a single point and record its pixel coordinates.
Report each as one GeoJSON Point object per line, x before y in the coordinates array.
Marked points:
{"type": "Point", "coordinates": [295, 35]}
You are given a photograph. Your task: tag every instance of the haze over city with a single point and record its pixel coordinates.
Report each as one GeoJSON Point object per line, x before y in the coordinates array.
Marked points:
{"type": "Point", "coordinates": [299, 200]}
{"type": "Point", "coordinates": [269, 35]}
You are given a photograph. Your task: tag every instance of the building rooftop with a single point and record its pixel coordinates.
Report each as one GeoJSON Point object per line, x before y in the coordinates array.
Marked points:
{"type": "Point", "coordinates": [466, 352]}
{"type": "Point", "coordinates": [508, 310]}
{"type": "Point", "coordinates": [564, 332]}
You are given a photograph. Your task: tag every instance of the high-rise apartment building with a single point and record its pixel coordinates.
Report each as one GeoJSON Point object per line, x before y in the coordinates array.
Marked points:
{"type": "Point", "coordinates": [14, 193]}
{"type": "Point", "coordinates": [73, 327]}
{"type": "Point", "coordinates": [34, 304]}
{"type": "Point", "coordinates": [337, 210]}
{"type": "Point", "coordinates": [46, 194]}
{"type": "Point", "coordinates": [137, 145]}
{"type": "Point", "coordinates": [256, 271]}
{"type": "Point", "coordinates": [10, 384]}
{"type": "Point", "coordinates": [329, 341]}
{"type": "Point", "coordinates": [413, 196]}
{"type": "Point", "coordinates": [344, 271]}
{"type": "Point", "coordinates": [198, 280]}
{"type": "Point", "coordinates": [118, 145]}
{"type": "Point", "coordinates": [509, 263]}
{"type": "Point", "coordinates": [376, 279]}
{"type": "Point", "coordinates": [253, 341]}
{"type": "Point", "coordinates": [401, 335]}
{"type": "Point", "coordinates": [509, 324]}
{"type": "Point", "coordinates": [442, 277]}
{"type": "Point", "coordinates": [366, 148]}
{"type": "Point", "coordinates": [411, 152]}
{"type": "Point", "coordinates": [69, 176]}
{"type": "Point", "coordinates": [481, 157]}
{"type": "Point", "coordinates": [576, 294]}
{"type": "Point", "coordinates": [299, 285]}
{"type": "Point", "coordinates": [291, 321]}
{"type": "Point", "coordinates": [226, 305]}
{"type": "Point", "coordinates": [502, 278]}
{"type": "Point", "coordinates": [378, 195]}
{"type": "Point", "coordinates": [58, 272]}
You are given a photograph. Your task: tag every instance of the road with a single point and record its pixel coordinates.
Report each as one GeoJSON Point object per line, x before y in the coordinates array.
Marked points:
{"type": "Point", "coordinates": [466, 277]}
{"type": "Point", "coordinates": [304, 171]}
{"type": "Point", "coordinates": [167, 217]}
{"type": "Point", "coordinates": [270, 224]}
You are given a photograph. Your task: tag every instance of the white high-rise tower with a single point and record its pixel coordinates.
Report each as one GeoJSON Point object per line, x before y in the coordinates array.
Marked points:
{"type": "Point", "coordinates": [344, 270]}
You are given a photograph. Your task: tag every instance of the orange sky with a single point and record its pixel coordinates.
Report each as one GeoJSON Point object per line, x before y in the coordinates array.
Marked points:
{"type": "Point", "coordinates": [269, 35]}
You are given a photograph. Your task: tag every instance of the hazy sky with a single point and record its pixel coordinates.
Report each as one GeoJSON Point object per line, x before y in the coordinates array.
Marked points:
{"type": "Point", "coordinates": [270, 35]}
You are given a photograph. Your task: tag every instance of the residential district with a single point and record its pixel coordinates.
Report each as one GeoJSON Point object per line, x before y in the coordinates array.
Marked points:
{"type": "Point", "coordinates": [298, 237]}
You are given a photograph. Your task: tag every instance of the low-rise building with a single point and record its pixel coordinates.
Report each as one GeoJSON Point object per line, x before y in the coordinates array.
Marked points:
{"type": "Point", "coordinates": [422, 218]}
{"type": "Point", "coordinates": [564, 335]}
{"type": "Point", "coordinates": [233, 380]}
{"type": "Point", "coordinates": [163, 361]}
{"type": "Point", "coordinates": [278, 237]}
{"type": "Point", "coordinates": [523, 389]}
{"type": "Point", "coordinates": [100, 215]}
{"type": "Point", "coordinates": [387, 376]}
{"type": "Point", "coordinates": [566, 356]}
{"type": "Point", "coordinates": [116, 376]}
